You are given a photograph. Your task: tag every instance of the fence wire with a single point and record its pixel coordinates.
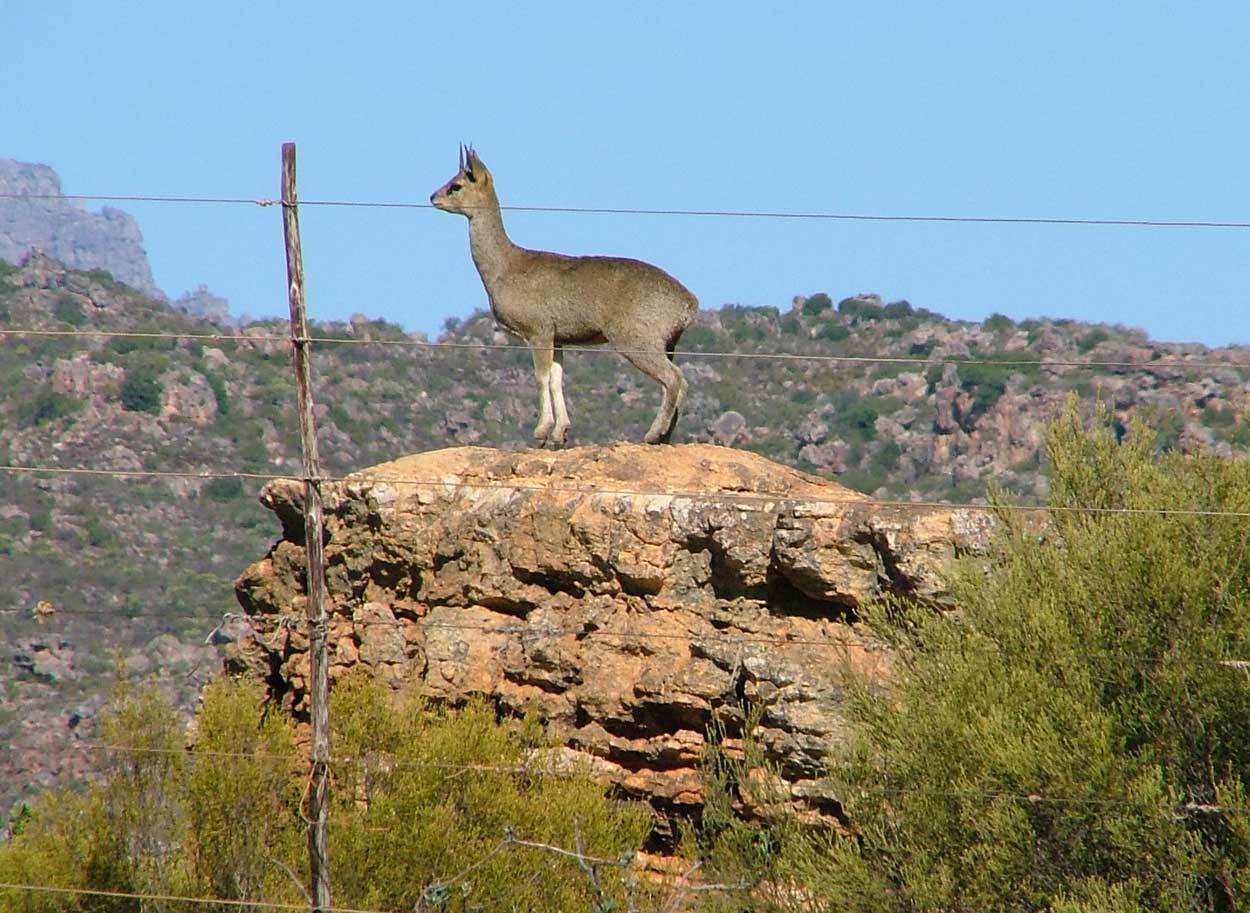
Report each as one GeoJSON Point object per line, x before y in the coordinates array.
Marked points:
{"type": "Point", "coordinates": [920, 361]}
{"type": "Point", "coordinates": [265, 202]}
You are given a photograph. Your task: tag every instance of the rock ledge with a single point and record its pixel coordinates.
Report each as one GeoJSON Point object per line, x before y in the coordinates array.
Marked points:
{"type": "Point", "coordinates": [631, 595]}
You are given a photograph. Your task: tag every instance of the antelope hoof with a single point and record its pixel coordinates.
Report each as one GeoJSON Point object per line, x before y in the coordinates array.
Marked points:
{"type": "Point", "coordinates": [560, 435]}
{"type": "Point", "coordinates": [542, 433]}
{"type": "Point", "coordinates": [655, 437]}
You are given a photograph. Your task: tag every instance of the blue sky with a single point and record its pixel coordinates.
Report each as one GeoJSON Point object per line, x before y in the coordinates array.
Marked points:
{"type": "Point", "coordinates": [1062, 109]}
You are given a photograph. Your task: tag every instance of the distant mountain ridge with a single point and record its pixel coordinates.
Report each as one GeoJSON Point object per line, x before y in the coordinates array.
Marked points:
{"type": "Point", "coordinates": [64, 230]}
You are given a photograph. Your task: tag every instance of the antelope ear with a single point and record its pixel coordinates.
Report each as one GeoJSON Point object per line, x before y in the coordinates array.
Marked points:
{"type": "Point", "coordinates": [477, 168]}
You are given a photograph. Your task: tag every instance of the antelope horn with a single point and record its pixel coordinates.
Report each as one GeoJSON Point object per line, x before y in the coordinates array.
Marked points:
{"type": "Point", "coordinates": [462, 156]}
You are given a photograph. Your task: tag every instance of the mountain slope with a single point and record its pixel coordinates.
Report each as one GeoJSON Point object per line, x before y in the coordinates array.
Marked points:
{"type": "Point", "coordinates": [138, 570]}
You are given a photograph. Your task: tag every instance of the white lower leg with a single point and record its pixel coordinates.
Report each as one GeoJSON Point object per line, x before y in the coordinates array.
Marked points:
{"type": "Point", "coordinates": [542, 373]}
{"type": "Point", "coordinates": [556, 386]}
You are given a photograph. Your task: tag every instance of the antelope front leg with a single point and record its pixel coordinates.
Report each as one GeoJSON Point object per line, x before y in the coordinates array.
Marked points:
{"type": "Point", "coordinates": [542, 352]}
{"type": "Point", "coordinates": [561, 431]}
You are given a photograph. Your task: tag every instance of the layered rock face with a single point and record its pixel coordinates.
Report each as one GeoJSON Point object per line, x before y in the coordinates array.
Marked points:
{"type": "Point", "coordinates": [631, 595]}
{"type": "Point", "coordinates": [82, 240]}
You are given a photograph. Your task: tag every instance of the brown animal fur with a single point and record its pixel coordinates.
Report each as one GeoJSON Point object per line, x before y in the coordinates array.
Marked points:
{"type": "Point", "coordinates": [550, 300]}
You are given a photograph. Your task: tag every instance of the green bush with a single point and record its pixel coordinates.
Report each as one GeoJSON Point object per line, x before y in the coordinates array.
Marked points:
{"type": "Point", "coordinates": [856, 421]}
{"type": "Point", "coordinates": [69, 310]}
{"type": "Point", "coordinates": [1088, 340]}
{"type": "Point", "coordinates": [423, 792]}
{"type": "Point", "coordinates": [227, 488]}
{"type": "Point", "coordinates": [997, 323]}
{"type": "Point", "coordinates": [46, 406]}
{"type": "Point", "coordinates": [817, 304]}
{"type": "Point", "coordinates": [220, 394]}
{"type": "Point", "coordinates": [886, 457]}
{"type": "Point", "coordinates": [127, 345]}
{"type": "Point", "coordinates": [141, 391]}
{"type": "Point", "coordinates": [698, 339]}
{"type": "Point", "coordinates": [1073, 739]}
{"type": "Point", "coordinates": [833, 332]}
{"type": "Point", "coordinates": [988, 382]}
{"type": "Point", "coordinates": [860, 310]}
{"type": "Point", "coordinates": [1223, 417]}
{"type": "Point", "coordinates": [99, 533]}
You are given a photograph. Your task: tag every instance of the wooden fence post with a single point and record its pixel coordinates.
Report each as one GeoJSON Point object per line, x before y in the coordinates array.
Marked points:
{"type": "Point", "coordinates": [319, 690]}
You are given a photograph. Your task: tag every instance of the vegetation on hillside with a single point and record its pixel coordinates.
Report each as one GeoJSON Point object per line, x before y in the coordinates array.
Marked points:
{"type": "Point", "coordinates": [424, 803]}
{"type": "Point", "coordinates": [1073, 739]}
{"type": "Point", "coordinates": [1077, 736]}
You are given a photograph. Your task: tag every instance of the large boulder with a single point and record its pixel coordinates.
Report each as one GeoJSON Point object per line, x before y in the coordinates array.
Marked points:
{"type": "Point", "coordinates": [631, 595]}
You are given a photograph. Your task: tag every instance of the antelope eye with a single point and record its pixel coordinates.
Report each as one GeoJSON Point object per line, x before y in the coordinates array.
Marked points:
{"type": "Point", "coordinates": [453, 188]}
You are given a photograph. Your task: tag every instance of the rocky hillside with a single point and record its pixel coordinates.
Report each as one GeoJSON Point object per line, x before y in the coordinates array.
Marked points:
{"type": "Point", "coordinates": [109, 240]}
{"type": "Point", "coordinates": [632, 595]}
{"type": "Point", "coordinates": [138, 570]}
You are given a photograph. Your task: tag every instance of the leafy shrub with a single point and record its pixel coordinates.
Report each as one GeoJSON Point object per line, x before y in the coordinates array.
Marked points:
{"type": "Point", "coordinates": [227, 488]}
{"type": "Point", "coordinates": [426, 792]}
{"type": "Point", "coordinates": [126, 345]}
{"type": "Point", "coordinates": [220, 394]}
{"type": "Point", "coordinates": [897, 310]}
{"type": "Point", "coordinates": [99, 534]}
{"type": "Point", "coordinates": [817, 304]}
{"type": "Point", "coordinates": [833, 332]}
{"type": "Point", "coordinates": [69, 310]}
{"type": "Point", "coordinates": [856, 420]}
{"type": "Point", "coordinates": [1215, 416]}
{"type": "Point", "coordinates": [40, 519]}
{"type": "Point", "coordinates": [988, 382]}
{"type": "Point", "coordinates": [860, 310]}
{"type": "Point", "coordinates": [745, 332]}
{"type": "Point", "coordinates": [997, 323]}
{"type": "Point", "coordinates": [699, 339]}
{"type": "Point", "coordinates": [46, 406]}
{"type": "Point", "coordinates": [1088, 340]}
{"type": "Point", "coordinates": [141, 391]}
{"type": "Point", "coordinates": [886, 457]}
{"type": "Point", "coordinates": [1072, 739]}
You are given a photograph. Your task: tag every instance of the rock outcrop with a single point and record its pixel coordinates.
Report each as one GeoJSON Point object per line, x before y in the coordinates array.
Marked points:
{"type": "Point", "coordinates": [631, 595]}
{"type": "Point", "coordinates": [109, 240]}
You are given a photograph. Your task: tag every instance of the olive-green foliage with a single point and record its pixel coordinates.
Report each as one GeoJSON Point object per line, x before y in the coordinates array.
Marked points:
{"type": "Point", "coordinates": [1221, 417]}
{"type": "Point", "coordinates": [220, 393]}
{"type": "Point", "coordinates": [163, 820]}
{"type": "Point", "coordinates": [45, 406]}
{"type": "Point", "coordinates": [1087, 341]}
{"type": "Point", "coordinates": [227, 488]}
{"type": "Point", "coordinates": [69, 310]}
{"type": "Point", "coordinates": [420, 807]}
{"type": "Point", "coordinates": [443, 826]}
{"type": "Point", "coordinates": [748, 856]}
{"type": "Point", "coordinates": [856, 419]}
{"type": "Point", "coordinates": [859, 309]}
{"type": "Point", "coordinates": [833, 332]}
{"type": "Point", "coordinates": [141, 391]}
{"type": "Point", "coordinates": [988, 382]}
{"type": "Point", "coordinates": [816, 304]}
{"type": "Point", "coordinates": [1073, 740]}
{"type": "Point", "coordinates": [997, 323]}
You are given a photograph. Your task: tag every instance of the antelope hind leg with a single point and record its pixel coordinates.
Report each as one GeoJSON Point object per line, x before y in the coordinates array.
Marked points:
{"type": "Point", "coordinates": [657, 366]}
